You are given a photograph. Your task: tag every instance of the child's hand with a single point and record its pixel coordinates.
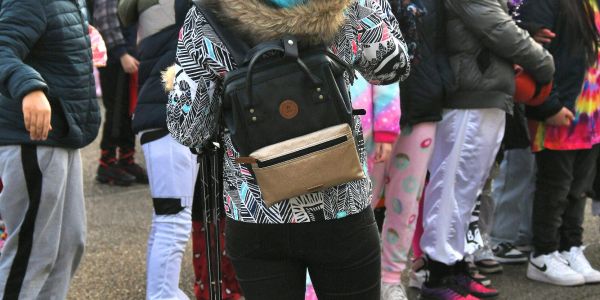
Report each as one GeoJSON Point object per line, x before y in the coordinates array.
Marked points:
{"type": "Point", "coordinates": [544, 36]}
{"type": "Point", "coordinates": [129, 63]}
{"type": "Point", "coordinates": [562, 118]}
{"type": "Point", "coordinates": [383, 152]}
{"type": "Point", "coordinates": [36, 114]}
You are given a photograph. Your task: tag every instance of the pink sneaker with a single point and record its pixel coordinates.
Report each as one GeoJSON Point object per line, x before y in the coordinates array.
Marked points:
{"type": "Point", "coordinates": [444, 292]}
{"type": "Point", "coordinates": [474, 287]}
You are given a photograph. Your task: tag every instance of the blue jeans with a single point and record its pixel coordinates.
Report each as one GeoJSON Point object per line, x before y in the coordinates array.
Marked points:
{"type": "Point", "coordinates": [513, 190]}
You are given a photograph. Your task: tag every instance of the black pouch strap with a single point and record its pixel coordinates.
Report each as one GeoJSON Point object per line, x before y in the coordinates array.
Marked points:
{"type": "Point", "coordinates": [359, 112]}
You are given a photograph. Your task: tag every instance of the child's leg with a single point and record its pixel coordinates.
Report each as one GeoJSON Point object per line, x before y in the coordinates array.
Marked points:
{"type": "Point", "coordinates": [554, 179]}
{"type": "Point", "coordinates": [596, 191]}
{"type": "Point", "coordinates": [406, 173]}
{"type": "Point", "coordinates": [512, 196]}
{"type": "Point", "coordinates": [416, 241]}
{"type": "Point", "coordinates": [172, 172]}
{"type": "Point", "coordinates": [571, 230]}
{"type": "Point", "coordinates": [466, 144]}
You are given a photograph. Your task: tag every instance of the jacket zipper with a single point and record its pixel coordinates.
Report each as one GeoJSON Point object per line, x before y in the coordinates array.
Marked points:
{"type": "Point", "coordinates": [302, 152]}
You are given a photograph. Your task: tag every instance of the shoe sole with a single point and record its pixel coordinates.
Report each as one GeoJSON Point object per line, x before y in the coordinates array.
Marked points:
{"type": "Point", "coordinates": [111, 181]}
{"type": "Point", "coordinates": [489, 269]}
{"type": "Point", "coordinates": [510, 261]}
{"type": "Point", "coordinates": [484, 296]}
{"type": "Point", "coordinates": [413, 283]}
{"type": "Point", "coordinates": [486, 282]}
{"type": "Point", "coordinates": [537, 276]}
{"type": "Point", "coordinates": [592, 281]}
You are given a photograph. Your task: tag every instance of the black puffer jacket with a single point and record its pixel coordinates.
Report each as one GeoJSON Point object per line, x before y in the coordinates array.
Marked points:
{"type": "Point", "coordinates": [570, 62]}
{"type": "Point", "coordinates": [44, 45]}
{"type": "Point", "coordinates": [423, 92]}
{"type": "Point", "coordinates": [156, 53]}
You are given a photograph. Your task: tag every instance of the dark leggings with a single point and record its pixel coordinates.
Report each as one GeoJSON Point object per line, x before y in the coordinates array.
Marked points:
{"type": "Point", "coordinates": [117, 131]}
{"type": "Point", "coordinates": [342, 257]}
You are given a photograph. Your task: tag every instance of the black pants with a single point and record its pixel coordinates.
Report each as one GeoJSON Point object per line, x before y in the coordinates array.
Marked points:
{"type": "Point", "coordinates": [595, 192]}
{"type": "Point", "coordinates": [117, 131]}
{"type": "Point", "coordinates": [563, 177]}
{"type": "Point", "coordinates": [342, 257]}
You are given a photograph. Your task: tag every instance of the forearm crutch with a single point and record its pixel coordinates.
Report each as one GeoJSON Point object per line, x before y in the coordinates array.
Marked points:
{"type": "Point", "coordinates": [210, 172]}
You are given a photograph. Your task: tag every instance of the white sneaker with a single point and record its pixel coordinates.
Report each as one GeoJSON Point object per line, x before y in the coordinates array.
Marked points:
{"type": "Point", "coordinates": [417, 278]}
{"type": "Point", "coordinates": [580, 264]}
{"type": "Point", "coordinates": [392, 291]}
{"type": "Point", "coordinates": [553, 269]}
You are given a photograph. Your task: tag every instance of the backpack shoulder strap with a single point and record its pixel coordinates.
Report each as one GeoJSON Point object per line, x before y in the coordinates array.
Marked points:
{"type": "Point", "coordinates": [236, 46]}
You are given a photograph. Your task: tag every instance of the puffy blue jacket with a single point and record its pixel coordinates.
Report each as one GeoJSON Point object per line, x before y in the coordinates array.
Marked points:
{"type": "Point", "coordinates": [44, 45]}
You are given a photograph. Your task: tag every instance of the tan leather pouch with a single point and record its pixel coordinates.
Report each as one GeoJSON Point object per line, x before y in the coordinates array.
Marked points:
{"type": "Point", "coordinates": [307, 164]}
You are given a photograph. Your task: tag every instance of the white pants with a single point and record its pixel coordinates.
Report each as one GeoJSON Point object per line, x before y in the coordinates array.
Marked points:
{"type": "Point", "coordinates": [467, 142]}
{"type": "Point", "coordinates": [172, 171]}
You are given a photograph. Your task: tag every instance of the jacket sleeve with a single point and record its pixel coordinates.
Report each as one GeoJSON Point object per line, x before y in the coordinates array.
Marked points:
{"type": "Point", "coordinates": [386, 106]}
{"type": "Point", "coordinates": [488, 21]}
{"type": "Point", "coordinates": [549, 108]}
{"type": "Point", "coordinates": [382, 56]}
{"type": "Point", "coordinates": [128, 12]}
{"type": "Point", "coordinates": [535, 15]}
{"type": "Point", "coordinates": [193, 105]}
{"type": "Point", "coordinates": [21, 25]}
{"type": "Point", "coordinates": [538, 14]}
{"type": "Point", "coordinates": [107, 22]}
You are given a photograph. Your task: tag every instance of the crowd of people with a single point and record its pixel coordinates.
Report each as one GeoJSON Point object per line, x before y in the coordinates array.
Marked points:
{"type": "Point", "coordinates": [476, 124]}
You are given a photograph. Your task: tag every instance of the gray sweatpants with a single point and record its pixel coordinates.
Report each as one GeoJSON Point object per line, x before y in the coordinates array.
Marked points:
{"type": "Point", "coordinates": [42, 207]}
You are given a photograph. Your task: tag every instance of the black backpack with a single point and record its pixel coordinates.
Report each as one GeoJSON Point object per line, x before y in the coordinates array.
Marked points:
{"type": "Point", "coordinates": [280, 90]}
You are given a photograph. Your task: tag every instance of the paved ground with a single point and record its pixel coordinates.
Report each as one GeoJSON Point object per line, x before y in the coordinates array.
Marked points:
{"type": "Point", "coordinates": [118, 223]}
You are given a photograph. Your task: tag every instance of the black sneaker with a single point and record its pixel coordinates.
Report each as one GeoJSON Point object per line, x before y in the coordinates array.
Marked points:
{"type": "Point", "coordinates": [136, 171]}
{"type": "Point", "coordinates": [113, 174]}
{"type": "Point", "coordinates": [506, 253]}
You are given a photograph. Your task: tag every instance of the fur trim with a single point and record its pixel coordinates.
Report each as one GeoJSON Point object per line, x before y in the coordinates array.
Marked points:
{"type": "Point", "coordinates": [317, 21]}
{"type": "Point", "coordinates": [168, 78]}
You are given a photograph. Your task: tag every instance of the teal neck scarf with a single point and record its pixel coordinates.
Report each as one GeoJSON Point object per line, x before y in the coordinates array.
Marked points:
{"type": "Point", "coordinates": [287, 3]}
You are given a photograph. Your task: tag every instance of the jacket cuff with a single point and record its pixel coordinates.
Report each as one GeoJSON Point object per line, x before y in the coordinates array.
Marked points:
{"type": "Point", "coordinates": [544, 111]}
{"type": "Point", "coordinates": [118, 51]}
{"type": "Point", "coordinates": [531, 27]}
{"type": "Point", "coordinates": [29, 86]}
{"type": "Point", "coordinates": [385, 137]}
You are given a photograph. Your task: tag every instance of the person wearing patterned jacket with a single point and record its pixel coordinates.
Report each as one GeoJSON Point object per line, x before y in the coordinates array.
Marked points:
{"type": "Point", "coordinates": [331, 233]}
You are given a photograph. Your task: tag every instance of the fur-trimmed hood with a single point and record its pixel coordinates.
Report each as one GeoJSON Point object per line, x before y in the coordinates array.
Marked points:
{"type": "Point", "coordinates": [316, 21]}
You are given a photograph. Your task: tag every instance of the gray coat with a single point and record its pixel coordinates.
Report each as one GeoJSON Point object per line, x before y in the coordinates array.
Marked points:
{"type": "Point", "coordinates": [483, 44]}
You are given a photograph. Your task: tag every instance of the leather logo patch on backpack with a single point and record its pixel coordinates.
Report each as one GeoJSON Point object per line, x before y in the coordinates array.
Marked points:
{"type": "Point", "coordinates": [288, 109]}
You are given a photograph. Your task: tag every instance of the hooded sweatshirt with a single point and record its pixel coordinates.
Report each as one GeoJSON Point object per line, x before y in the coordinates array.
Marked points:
{"type": "Point", "coordinates": [363, 33]}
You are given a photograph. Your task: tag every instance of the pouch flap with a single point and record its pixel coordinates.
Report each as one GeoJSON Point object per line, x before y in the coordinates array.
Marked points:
{"type": "Point", "coordinates": [302, 142]}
